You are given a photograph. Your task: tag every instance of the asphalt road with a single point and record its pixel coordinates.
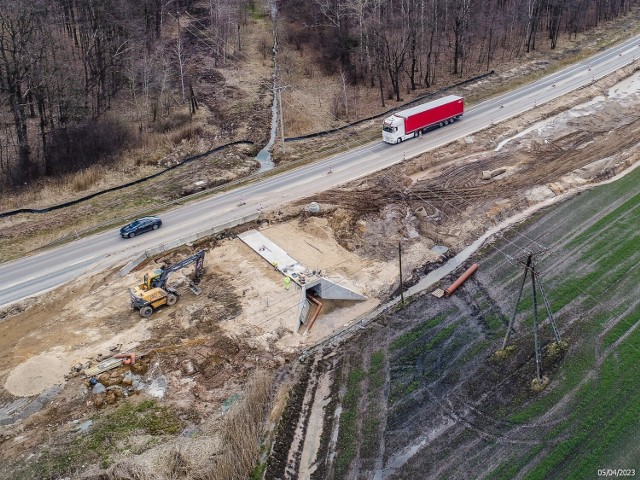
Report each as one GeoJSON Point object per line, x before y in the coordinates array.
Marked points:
{"type": "Point", "coordinates": [35, 274]}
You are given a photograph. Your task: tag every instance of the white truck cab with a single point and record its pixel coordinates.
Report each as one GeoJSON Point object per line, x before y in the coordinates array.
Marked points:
{"type": "Point", "coordinates": [393, 130]}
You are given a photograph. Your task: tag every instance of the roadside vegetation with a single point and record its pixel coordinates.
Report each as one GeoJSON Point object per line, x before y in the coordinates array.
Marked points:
{"type": "Point", "coordinates": [108, 436]}
{"type": "Point", "coordinates": [113, 441]}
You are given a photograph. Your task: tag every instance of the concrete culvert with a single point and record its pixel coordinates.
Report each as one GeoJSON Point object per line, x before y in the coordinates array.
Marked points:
{"type": "Point", "coordinates": [489, 174]}
{"type": "Point", "coordinates": [422, 214]}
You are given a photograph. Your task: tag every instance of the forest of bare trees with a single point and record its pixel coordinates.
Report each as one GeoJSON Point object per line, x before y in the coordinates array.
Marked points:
{"type": "Point", "coordinates": [82, 79]}
{"type": "Point", "coordinates": [64, 62]}
{"type": "Point", "coordinates": [396, 44]}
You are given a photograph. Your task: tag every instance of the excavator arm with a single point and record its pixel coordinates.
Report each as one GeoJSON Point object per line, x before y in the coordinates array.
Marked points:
{"type": "Point", "coordinates": [197, 258]}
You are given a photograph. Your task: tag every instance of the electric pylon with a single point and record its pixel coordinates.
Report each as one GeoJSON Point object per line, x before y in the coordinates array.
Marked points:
{"type": "Point", "coordinates": [536, 285]}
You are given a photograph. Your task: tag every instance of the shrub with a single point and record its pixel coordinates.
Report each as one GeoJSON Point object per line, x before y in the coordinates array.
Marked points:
{"type": "Point", "coordinates": [85, 179]}
{"type": "Point", "coordinates": [71, 149]}
{"type": "Point", "coordinates": [187, 133]}
{"type": "Point", "coordinates": [173, 121]}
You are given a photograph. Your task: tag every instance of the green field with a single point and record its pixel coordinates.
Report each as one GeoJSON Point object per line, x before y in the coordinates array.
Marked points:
{"type": "Point", "coordinates": [440, 361]}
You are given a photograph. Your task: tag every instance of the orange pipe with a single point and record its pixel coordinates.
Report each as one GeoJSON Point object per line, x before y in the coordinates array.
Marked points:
{"type": "Point", "coordinates": [316, 313]}
{"type": "Point", "coordinates": [128, 358]}
{"type": "Point", "coordinates": [461, 280]}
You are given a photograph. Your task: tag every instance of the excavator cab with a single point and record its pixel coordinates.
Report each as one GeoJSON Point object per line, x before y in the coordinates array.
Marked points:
{"type": "Point", "coordinates": [151, 279]}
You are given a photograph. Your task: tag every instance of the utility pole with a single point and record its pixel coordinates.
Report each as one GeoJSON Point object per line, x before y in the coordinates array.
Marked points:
{"type": "Point", "coordinates": [278, 91]}
{"type": "Point", "coordinates": [515, 307]}
{"type": "Point", "coordinates": [535, 325]}
{"type": "Point", "coordinates": [400, 263]}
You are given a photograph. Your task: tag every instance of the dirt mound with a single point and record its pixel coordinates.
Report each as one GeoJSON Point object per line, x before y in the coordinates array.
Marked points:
{"type": "Point", "coordinates": [318, 227]}
{"type": "Point", "coordinates": [37, 374]}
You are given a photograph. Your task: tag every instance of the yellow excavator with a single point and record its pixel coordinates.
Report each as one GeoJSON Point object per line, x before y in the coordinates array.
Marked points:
{"type": "Point", "coordinates": [154, 293]}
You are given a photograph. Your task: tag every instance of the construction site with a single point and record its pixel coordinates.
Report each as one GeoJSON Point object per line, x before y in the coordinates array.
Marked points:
{"type": "Point", "coordinates": [282, 328]}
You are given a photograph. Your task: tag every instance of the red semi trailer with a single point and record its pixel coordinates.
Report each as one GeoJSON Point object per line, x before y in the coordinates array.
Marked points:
{"type": "Point", "coordinates": [409, 123]}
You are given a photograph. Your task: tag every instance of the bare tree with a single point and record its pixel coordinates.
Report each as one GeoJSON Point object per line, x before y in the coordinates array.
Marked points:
{"type": "Point", "coordinates": [180, 56]}
{"type": "Point", "coordinates": [460, 27]}
{"type": "Point", "coordinates": [343, 77]}
{"type": "Point", "coordinates": [19, 28]}
{"type": "Point", "coordinates": [556, 9]}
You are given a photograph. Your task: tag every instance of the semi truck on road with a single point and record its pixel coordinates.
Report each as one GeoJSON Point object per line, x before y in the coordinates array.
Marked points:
{"type": "Point", "coordinates": [412, 121]}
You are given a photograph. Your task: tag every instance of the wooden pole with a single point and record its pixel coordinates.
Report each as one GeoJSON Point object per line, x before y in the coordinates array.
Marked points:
{"type": "Point", "coordinates": [535, 326]}
{"type": "Point", "coordinates": [515, 308]}
{"type": "Point", "coordinates": [279, 90]}
{"type": "Point", "coordinates": [401, 284]}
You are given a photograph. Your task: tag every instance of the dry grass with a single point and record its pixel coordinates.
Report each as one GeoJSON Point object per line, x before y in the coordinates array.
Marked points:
{"type": "Point", "coordinates": [127, 470]}
{"type": "Point", "coordinates": [187, 133]}
{"type": "Point", "coordinates": [241, 432]}
{"type": "Point", "coordinates": [225, 448]}
{"type": "Point", "coordinates": [176, 119]}
{"type": "Point", "coordinates": [279, 403]}
{"type": "Point", "coordinates": [86, 178]}
{"type": "Point", "coordinates": [178, 463]}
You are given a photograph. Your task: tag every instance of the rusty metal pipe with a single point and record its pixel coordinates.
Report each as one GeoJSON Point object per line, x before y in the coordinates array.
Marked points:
{"type": "Point", "coordinates": [461, 280]}
{"type": "Point", "coordinates": [313, 299]}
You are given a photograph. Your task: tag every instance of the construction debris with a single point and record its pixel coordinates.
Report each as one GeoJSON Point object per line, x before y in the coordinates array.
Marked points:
{"type": "Point", "coordinates": [438, 293]}
{"type": "Point", "coordinates": [104, 366]}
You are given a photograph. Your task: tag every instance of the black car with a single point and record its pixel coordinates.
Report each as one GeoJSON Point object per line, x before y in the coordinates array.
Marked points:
{"type": "Point", "coordinates": [140, 225]}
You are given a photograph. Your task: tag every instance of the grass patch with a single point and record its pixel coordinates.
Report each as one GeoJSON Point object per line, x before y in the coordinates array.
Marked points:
{"type": "Point", "coordinates": [603, 224]}
{"type": "Point", "coordinates": [397, 390]}
{"type": "Point", "coordinates": [371, 435]}
{"type": "Point", "coordinates": [348, 430]}
{"type": "Point", "coordinates": [371, 425]}
{"type": "Point", "coordinates": [376, 373]}
{"type": "Point", "coordinates": [255, 12]}
{"type": "Point", "coordinates": [576, 367]}
{"type": "Point", "coordinates": [604, 417]}
{"type": "Point", "coordinates": [475, 350]}
{"type": "Point", "coordinates": [495, 323]}
{"type": "Point", "coordinates": [510, 469]}
{"type": "Point", "coordinates": [106, 437]}
{"type": "Point", "coordinates": [407, 381]}
{"type": "Point", "coordinates": [440, 337]}
{"type": "Point", "coordinates": [411, 387]}
{"type": "Point", "coordinates": [605, 414]}
{"type": "Point", "coordinates": [415, 333]}
{"type": "Point", "coordinates": [258, 472]}
{"type": "Point", "coordinates": [620, 328]}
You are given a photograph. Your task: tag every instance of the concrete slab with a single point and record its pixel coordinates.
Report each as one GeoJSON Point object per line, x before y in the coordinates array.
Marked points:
{"type": "Point", "coordinates": [276, 256]}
